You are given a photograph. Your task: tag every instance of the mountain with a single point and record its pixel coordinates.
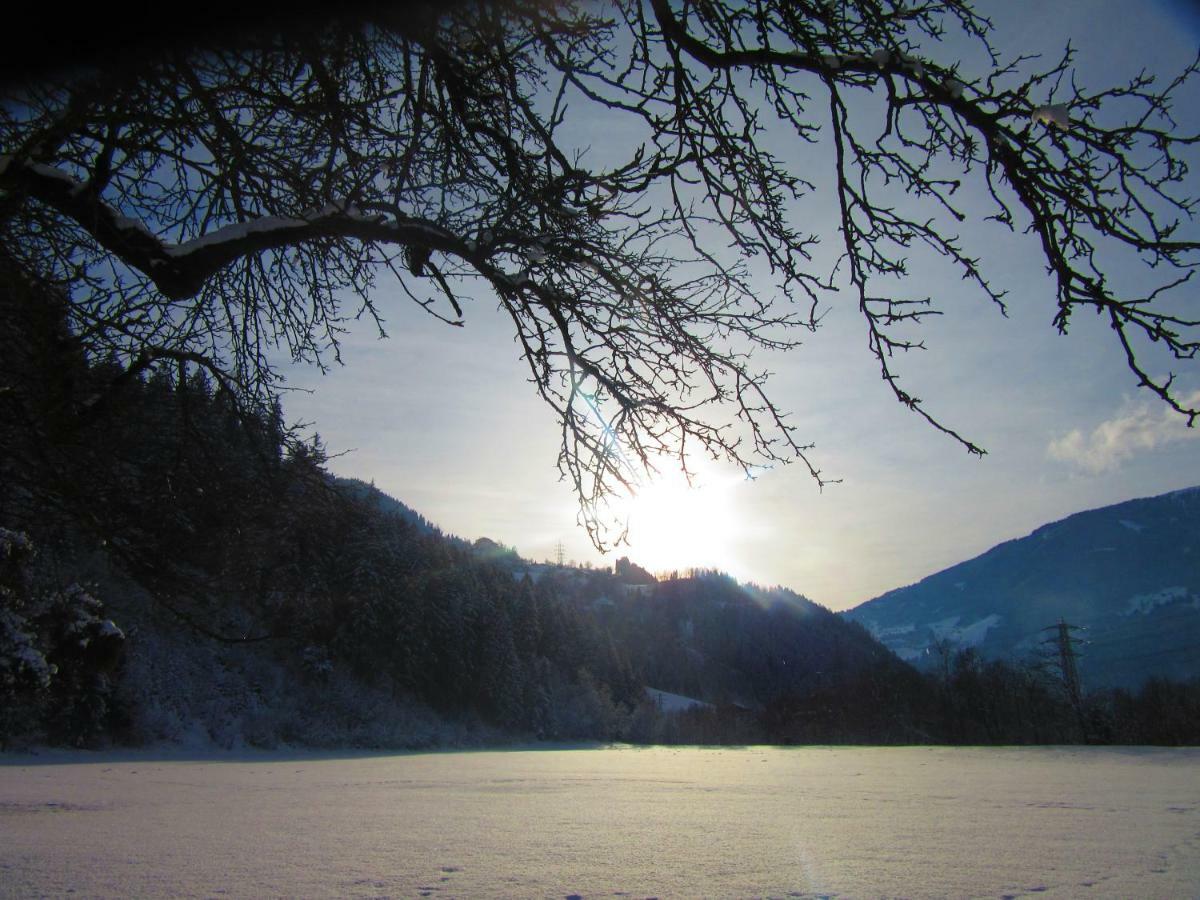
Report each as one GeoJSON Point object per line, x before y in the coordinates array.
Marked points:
{"type": "Point", "coordinates": [175, 566]}
{"type": "Point", "coordinates": [1128, 575]}
{"type": "Point", "coordinates": [704, 635]}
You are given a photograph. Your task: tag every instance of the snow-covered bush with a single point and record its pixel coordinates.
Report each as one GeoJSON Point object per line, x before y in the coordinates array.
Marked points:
{"type": "Point", "coordinates": [24, 670]}
{"type": "Point", "coordinates": [56, 654]}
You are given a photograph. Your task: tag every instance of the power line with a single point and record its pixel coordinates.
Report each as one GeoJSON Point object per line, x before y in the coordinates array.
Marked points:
{"type": "Point", "coordinates": [1131, 636]}
{"type": "Point", "coordinates": [1188, 648]}
{"type": "Point", "coordinates": [1189, 613]}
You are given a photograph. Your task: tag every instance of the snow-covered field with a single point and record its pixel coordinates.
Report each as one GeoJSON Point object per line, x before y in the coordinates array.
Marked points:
{"type": "Point", "coordinates": [639, 822]}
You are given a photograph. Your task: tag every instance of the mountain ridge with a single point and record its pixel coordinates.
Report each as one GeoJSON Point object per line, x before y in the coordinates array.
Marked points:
{"type": "Point", "coordinates": [1128, 572]}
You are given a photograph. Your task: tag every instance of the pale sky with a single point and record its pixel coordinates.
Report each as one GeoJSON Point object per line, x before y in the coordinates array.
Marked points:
{"type": "Point", "coordinates": [445, 420]}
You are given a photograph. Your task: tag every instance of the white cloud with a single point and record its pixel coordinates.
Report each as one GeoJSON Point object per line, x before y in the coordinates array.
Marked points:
{"type": "Point", "coordinates": [1137, 428]}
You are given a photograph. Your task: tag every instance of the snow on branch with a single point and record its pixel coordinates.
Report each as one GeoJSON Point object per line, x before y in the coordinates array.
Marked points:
{"type": "Point", "coordinates": [181, 270]}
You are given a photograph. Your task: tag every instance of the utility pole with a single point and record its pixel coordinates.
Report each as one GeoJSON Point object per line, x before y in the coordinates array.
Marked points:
{"type": "Point", "coordinates": [559, 553]}
{"type": "Point", "coordinates": [1065, 644]}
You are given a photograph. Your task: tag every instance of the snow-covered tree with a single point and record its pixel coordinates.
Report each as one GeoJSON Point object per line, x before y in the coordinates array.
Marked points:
{"type": "Point", "coordinates": [56, 652]}
{"type": "Point", "coordinates": [207, 204]}
{"type": "Point", "coordinates": [23, 665]}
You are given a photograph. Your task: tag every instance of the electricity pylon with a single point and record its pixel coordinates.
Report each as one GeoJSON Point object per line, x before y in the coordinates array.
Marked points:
{"type": "Point", "coordinates": [1064, 642]}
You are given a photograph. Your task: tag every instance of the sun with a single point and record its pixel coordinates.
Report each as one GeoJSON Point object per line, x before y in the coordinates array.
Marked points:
{"type": "Point", "coordinates": [677, 526]}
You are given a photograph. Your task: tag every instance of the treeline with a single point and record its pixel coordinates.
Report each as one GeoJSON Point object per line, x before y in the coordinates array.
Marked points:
{"type": "Point", "coordinates": [176, 566]}
{"type": "Point", "coordinates": [190, 517]}
{"type": "Point", "coordinates": [983, 703]}
{"type": "Point", "coordinates": [225, 554]}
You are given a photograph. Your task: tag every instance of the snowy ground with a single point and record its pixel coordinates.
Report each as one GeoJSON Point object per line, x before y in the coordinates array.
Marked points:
{"type": "Point", "coordinates": [639, 822]}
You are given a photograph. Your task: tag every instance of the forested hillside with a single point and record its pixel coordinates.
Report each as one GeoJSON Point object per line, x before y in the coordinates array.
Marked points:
{"type": "Point", "coordinates": [175, 566]}
{"type": "Point", "coordinates": [179, 567]}
{"type": "Point", "coordinates": [1126, 578]}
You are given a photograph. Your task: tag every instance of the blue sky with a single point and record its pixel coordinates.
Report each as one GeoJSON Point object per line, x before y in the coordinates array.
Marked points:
{"type": "Point", "coordinates": [444, 419]}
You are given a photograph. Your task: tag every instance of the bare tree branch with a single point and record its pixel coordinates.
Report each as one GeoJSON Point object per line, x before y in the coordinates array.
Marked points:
{"type": "Point", "coordinates": [208, 206]}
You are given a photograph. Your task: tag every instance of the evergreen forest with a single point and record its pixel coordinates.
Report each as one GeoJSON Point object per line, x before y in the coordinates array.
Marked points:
{"type": "Point", "coordinates": [176, 566]}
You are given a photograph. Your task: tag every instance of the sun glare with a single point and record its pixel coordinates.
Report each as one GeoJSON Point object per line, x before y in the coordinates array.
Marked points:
{"type": "Point", "coordinates": [676, 526]}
